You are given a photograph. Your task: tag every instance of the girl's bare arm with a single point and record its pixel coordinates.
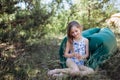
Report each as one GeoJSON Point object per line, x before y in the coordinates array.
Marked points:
{"type": "Point", "coordinates": [66, 54]}
{"type": "Point", "coordinates": [87, 48]}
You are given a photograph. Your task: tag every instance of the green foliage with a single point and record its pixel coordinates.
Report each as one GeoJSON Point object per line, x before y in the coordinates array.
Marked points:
{"type": "Point", "coordinates": [90, 13]}
{"type": "Point", "coordinates": [32, 21]}
{"type": "Point", "coordinates": [7, 6]}
{"type": "Point", "coordinates": [39, 18]}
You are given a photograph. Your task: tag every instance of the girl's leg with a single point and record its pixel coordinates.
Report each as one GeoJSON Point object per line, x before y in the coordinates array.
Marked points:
{"type": "Point", "coordinates": [84, 70]}
{"type": "Point", "coordinates": [72, 69]}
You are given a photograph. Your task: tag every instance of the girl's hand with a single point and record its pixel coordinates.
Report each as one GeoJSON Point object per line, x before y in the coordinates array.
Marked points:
{"type": "Point", "coordinates": [78, 56]}
{"type": "Point", "coordinates": [73, 54]}
{"type": "Point", "coordinates": [69, 55]}
{"type": "Point", "coordinates": [83, 57]}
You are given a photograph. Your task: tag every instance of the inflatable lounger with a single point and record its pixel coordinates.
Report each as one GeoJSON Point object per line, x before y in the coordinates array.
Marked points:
{"type": "Point", "coordinates": [102, 44]}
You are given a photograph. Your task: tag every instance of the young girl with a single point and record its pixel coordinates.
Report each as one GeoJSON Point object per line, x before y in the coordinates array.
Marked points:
{"type": "Point", "coordinates": [77, 50]}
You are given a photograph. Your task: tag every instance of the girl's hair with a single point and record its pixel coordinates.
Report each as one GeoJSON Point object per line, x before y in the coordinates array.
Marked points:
{"type": "Point", "coordinates": [70, 25]}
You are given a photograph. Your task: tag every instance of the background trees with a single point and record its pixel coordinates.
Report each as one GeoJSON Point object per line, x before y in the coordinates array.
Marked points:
{"type": "Point", "coordinates": [40, 17]}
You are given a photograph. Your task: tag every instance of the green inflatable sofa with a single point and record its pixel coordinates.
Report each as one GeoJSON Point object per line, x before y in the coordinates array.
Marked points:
{"type": "Point", "coordinates": [102, 44]}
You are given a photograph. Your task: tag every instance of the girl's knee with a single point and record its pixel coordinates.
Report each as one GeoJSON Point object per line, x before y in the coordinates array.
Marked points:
{"type": "Point", "coordinates": [91, 70]}
{"type": "Point", "coordinates": [75, 72]}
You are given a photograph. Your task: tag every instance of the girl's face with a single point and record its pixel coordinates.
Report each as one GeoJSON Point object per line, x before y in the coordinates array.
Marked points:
{"type": "Point", "coordinates": [75, 32]}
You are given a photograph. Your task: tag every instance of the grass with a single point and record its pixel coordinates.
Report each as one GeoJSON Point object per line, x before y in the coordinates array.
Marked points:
{"type": "Point", "coordinates": [34, 63]}
{"type": "Point", "coordinates": [43, 57]}
{"type": "Point", "coordinates": [39, 59]}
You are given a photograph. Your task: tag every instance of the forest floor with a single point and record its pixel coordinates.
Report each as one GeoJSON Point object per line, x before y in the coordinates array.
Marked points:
{"type": "Point", "coordinates": [44, 57]}
{"type": "Point", "coordinates": [39, 58]}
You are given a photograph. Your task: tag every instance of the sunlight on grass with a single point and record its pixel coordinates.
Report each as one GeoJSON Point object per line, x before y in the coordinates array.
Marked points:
{"type": "Point", "coordinates": [118, 40]}
{"type": "Point", "coordinates": [33, 72]}
{"type": "Point", "coordinates": [9, 77]}
{"type": "Point", "coordinates": [50, 39]}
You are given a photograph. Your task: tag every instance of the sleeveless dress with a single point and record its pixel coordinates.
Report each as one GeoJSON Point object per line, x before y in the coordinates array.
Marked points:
{"type": "Point", "coordinates": [79, 48]}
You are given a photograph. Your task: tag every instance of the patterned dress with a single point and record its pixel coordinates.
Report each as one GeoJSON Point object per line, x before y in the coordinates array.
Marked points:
{"type": "Point", "coordinates": [79, 48]}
